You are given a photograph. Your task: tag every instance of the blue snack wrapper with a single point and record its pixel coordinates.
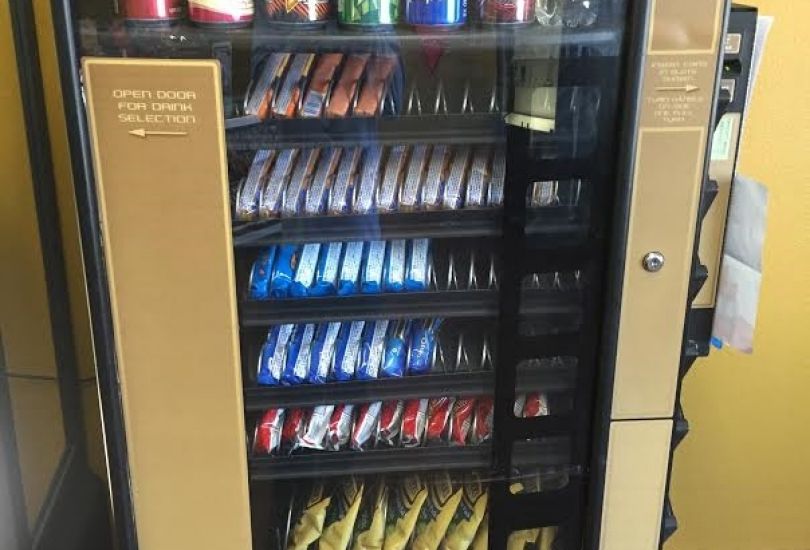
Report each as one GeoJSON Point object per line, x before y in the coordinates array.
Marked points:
{"type": "Point", "coordinates": [396, 351]}
{"type": "Point", "coordinates": [372, 350]}
{"type": "Point", "coordinates": [305, 272]}
{"type": "Point", "coordinates": [326, 274]}
{"type": "Point", "coordinates": [395, 256]}
{"type": "Point", "coordinates": [416, 278]}
{"type": "Point", "coordinates": [423, 342]}
{"type": "Point", "coordinates": [283, 270]}
{"type": "Point", "coordinates": [296, 365]}
{"type": "Point", "coordinates": [323, 350]}
{"type": "Point", "coordinates": [350, 268]}
{"type": "Point", "coordinates": [371, 278]}
{"type": "Point", "coordinates": [347, 350]}
{"type": "Point", "coordinates": [271, 359]}
{"type": "Point", "coordinates": [260, 274]}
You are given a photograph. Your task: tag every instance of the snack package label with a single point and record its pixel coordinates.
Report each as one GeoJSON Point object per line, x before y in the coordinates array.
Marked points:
{"type": "Point", "coordinates": [273, 355]}
{"type": "Point", "coordinates": [496, 182]}
{"type": "Point", "coordinates": [341, 515]}
{"type": "Point", "coordinates": [317, 426]}
{"type": "Point", "coordinates": [308, 526]}
{"type": "Point", "coordinates": [395, 265]}
{"type": "Point", "coordinates": [374, 261]}
{"type": "Point", "coordinates": [371, 353]}
{"type": "Point", "coordinates": [482, 429]}
{"type": "Point", "coordinates": [413, 180]}
{"type": "Point", "coordinates": [390, 422]}
{"type": "Point", "coordinates": [268, 432]}
{"type": "Point", "coordinates": [469, 515]}
{"type": "Point", "coordinates": [418, 262]}
{"type": "Point", "coordinates": [413, 422]}
{"type": "Point", "coordinates": [389, 189]}
{"type": "Point", "coordinates": [247, 204]}
{"type": "Point", "coordinates": [296, 189]}
{"type": "Point", "coordinates": [283, 270]}
{"type": "Point", "coordinates": [369, 530]}
{"type": "Point", "coordinates": [350, 268]}
{"type": "Point", "coordinates": [340, 426]}
{"type": "Point", "coordinates": [477, 180]}
{"type": "Point", "coordinates": [305, 274]}
{"type": "Point", "coordinates": [454, 188]}
{"type": "Point", "coordinates": [350, 341]}
{"type": "Point", "coordinates": [323, 350]}
{"type": "Point", "coordinates": [318, 191]}
{"type": "Point", "coordinates": [340, 194]}
{"type": "Point", "coordinates": [294, 424]}
{"type": "Point", "coordinates": [461, 420]}
{"type": "Point", "coordinates": [423, 343]}
{"type": "Point", "coordinates": [326, 273]}
{"type": "Point", "coordinates": [364, 201]}
{"type": "Point", "coordinates": [296, 366]}
{"type": "Point", "coordinates": [438, 424]}
{"type": "Point", "coordinates": [260, 274]}
{"type": "Point", "coordinates": [396, 350]}
{"type": "Point", "coordinates": [270, 205]}
{"type": "Point", "coordinates": [481, 540]}
{"type": "Point", "coordinates": [437, 512]}
{"type": "Point", "coordinates": [432, 188]}
{"type": "Point", "coordinates": [365, 425]}
{"type": "Point", "coordinates": [263, 91]}
{"type": "Point", "coordinates": [404, 507]}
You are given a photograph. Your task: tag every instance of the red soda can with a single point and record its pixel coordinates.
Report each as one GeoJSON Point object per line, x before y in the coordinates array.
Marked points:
{"type": "Point", "coordinates": [221, 13]}
{"type": "Point", "coordinates": [438, 424]}
{"type": "Point", "coordinates": [152, 12]}
{"type": "Point", "coordinates": [506, 12]}
{"type": "Point", "coordinates": [268, 432]}
{"type": "Point", "coordinates": [461, 420]}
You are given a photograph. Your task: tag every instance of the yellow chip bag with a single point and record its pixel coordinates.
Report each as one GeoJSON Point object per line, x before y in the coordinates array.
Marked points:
{"type": "Point", "coordinates": [369, 529]}
{"type": "Point", "coordinates": [481, 540]}
{"type": "Point", "coordinates": [520, 540]}
{"type": "Point", "coordinates": [309, 525]}
{"type": "Point", "coordinates": [470, 513]}
{"type": "Point", "coordinates": [547, 536]}
{"type": "Point", "coordinates": [404, 505]}
{"type": "Point", "coordinates": [437, 512]}
{"type": "Point", "coordinates": [341, 515]}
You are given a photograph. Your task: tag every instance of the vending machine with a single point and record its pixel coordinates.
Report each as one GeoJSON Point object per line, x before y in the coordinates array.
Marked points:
{"type": "Point", "coordinates": [383, 274]}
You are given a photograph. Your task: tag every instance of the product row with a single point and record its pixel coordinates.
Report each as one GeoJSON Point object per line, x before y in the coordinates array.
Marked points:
{"type": "Point", "coordinates": [364, 14]}
{"type": "Point", "coordinates": [293, 183]}
{"type": "Point", "coordinates": [332, 85]}
{"type": "Point", "coordinates": [367, 350]}
{"type": "Point", "coordinates": [386, 424]}
{"type": "Point", "coordinates": [421, 512]}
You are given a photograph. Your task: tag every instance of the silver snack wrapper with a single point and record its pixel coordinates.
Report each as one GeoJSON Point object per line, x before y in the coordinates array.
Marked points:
{"type": "Point", "coordinates": [398, 252]}
{"type": "Point", "coordinates": [352, 262]}
{"type": "Point", "coordinates": [418, 262]}
{"type": "Point", "coordinates": [327, 352]}
{"type": "Point", "coordinates": [388, 192]}
{"type": "Point", "coordinates": [453, 195]}
{"type": "Point", "coordinates": [318, 191]}
{"type": "Point", "coordinates": [273, 192]}
{"type": "Point", "coordinates": [366, 426]}
{"type": "Point", "coordinates": [268, 79]}
{"type": "Point", "coordinates": [409, 195]}
{"type": "Point", "coordinates": [476, 196]}
{"type": "Point", "coordinates": [340, 431]}
{"type": "Point", "coordinates": [300, 65]}
{"type": "Point", "coordinates": [342, 191]}
{"type": "Point", "coordinates": [375, 263]}
{"type": "Point", "coordinates": [432, 188]}
{"type": "Point", "coordinates": [301, 368]}
{"type": "Point", "coordinates": [314, 436]}
{"type": "Point", "coordinates": [305, 272]}
{"type": "Point", "coordinates": [497, 179]}
{"type": "Point", "coordinates": [369, 179]}
{"type": "Point", "coordinates": [296, 190]}
{"type": "Point", "coordinates": [377, 351]}
{"type": "Point", "coordinates": [544, 193]}
{"type": "Point", "coordinates": [247, 201]}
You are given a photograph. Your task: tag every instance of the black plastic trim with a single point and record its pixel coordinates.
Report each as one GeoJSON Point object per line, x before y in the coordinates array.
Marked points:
{"type": "Point", "coordinates": [548, 452]}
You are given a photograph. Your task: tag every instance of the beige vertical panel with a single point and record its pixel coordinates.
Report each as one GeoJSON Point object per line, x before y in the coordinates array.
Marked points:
{"type": "Point", "coordinates": [713, 230]}
{"type": "Point", "coordinates": [166, 228]}
{"type": "Point", "coordinates": [679, 79]}
{"type": "Point", "coordinates": [40, 437]}
{"type": "Point", "coordinates": [635, 483]}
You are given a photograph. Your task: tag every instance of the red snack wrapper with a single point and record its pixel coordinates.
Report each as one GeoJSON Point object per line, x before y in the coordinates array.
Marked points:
{"type": "Point", "coordinates": [268, 432]}
{"type": "Point", "coordinates": [438, 424]}
{"type": "Point", "coordinates": [461, 420]}
{"type": "Point", "coordinates": [482, 424]}
{"type": "Point", "coordinates": [413, 422]}
{"type": "Point", "coordinates": [390, 422]}
{"type": "Point", "coordinates": [294, 423]}
{"type": "Point", "coordinates": [536, 405]}
{"type": "Point", "coordinates": [340, 427]}
{"type": "Point", "coordinates": [365, 425]}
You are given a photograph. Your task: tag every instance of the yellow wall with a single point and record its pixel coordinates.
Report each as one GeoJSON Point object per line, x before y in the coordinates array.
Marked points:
{"type": "Point", "coordinates": [740, 479]}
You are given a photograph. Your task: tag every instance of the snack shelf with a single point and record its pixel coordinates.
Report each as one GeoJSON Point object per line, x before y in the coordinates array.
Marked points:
{"type": "Point", "coordinates": [248, 133]}
{"type": "Point", "coordinates": [552, 451]}
{"type": "Point", "coordinates": [550, 379]}
{"type": "Point", "coordinates": [553, 306]}
{"type": "Point", "coordinates": [563, 223]}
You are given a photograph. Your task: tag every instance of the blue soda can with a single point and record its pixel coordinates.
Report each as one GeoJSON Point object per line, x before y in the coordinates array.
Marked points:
{"type": "Point", "coordinates": [436, 13]}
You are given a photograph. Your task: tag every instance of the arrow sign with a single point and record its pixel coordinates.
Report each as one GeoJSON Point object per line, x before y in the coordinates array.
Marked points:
{"type": "Point", "coordinates": [689, 88]}
{"type": "Point", "coordinates": [142, 133]}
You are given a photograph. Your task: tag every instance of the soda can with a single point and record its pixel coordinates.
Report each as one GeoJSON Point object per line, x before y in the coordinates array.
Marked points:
{"type": "Point", "coordinates": [506, 12]}
{"type": "Point", "coordinates": [368, 14]}
{"type": "Point", "coordinates": [298, 13]}
{"type": "Point", "coordinates": [152, 12]}
{"type": "Point", "coordinates": [436, 13]}
{"type": "Point", "coordinates": [221, 13]}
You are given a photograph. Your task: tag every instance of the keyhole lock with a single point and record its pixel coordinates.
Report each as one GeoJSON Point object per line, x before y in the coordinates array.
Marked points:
{"type": "Point", "coordinates": [653, 262]}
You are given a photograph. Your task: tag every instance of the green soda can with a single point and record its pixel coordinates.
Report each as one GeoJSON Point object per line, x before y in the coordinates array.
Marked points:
{"type": "Point", "coordinates": [368, 14]}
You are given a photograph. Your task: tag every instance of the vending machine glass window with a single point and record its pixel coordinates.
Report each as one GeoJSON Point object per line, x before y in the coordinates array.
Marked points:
{"type": "Point", "coordinates": [357, 266]}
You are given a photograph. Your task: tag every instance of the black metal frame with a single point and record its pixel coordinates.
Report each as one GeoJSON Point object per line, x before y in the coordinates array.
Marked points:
{"type": "Point", "coordinates": [590, 426]}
